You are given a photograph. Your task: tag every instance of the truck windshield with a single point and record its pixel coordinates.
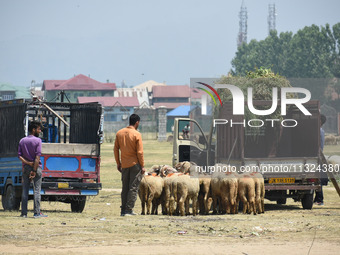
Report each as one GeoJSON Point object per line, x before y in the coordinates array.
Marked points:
{"type": "Point", "coordinates": [189, 130]}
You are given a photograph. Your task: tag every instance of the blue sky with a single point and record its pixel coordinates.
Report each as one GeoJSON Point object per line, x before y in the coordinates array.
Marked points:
{"type": "Point", "coordinates": [136, 40]}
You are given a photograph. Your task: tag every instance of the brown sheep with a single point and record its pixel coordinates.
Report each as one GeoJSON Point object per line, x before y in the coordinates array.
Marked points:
{"type": "Point", "coordinates": [204, 196]}
{"type": "Point", "coordinates": [167, 192]}
{"type": "Point", "coordinates": [233, 191]}
{"type": "Point", "coordinates": [218, 192]}
{"type": "Point", "coordinates": [185, 167]}
{"type": "Point", "coordinates": [154, 169]}
{"type": "Point", "coordinates": [185, 188]}
{"type": "Point", "coordinates": [330, 140]}
{"type": "Point", "coordinates": [224, 187]}
{"type": "Point", "coordinates": [259, 191]}
{"type": "Point", "coordinates": [150, 192]}
{"type": "Point", "coordinates": [246, 193]}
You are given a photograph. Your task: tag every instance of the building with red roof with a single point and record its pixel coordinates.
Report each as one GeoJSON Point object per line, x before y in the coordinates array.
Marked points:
{"type": "Point", "coordinates": [78, 86]}
{"type": "Point", "coordinates": [170, 96]}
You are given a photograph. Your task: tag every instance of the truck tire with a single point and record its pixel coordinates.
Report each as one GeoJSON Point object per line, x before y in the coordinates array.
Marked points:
{"type": "Point", "coordinates": [307, 201]}
{"type": "Point", "coordinates": [78, 206]}
{"type": "Point", "coordinates": [281, 201]}
{"type": "Point", "coordinates": [9, 201]}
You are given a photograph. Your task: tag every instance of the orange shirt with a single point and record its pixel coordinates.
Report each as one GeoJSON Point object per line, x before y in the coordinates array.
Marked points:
{"type": "Point", "coordinates": [129, 142]}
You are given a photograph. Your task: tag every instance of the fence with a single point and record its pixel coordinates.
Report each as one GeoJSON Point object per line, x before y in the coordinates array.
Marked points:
{"type": "Point", "coordinates": [331, 125]}
{"type": "Point", "coordinates": [148, 125]}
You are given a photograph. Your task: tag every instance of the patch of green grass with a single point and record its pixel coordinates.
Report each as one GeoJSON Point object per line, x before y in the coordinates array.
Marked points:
{"type": "Point", "coordinates": [155, 153]}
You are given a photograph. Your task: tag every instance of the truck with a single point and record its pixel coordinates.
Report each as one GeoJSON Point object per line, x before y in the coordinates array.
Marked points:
{"type": "Point", "coordinates": [287, 152]}
{"type": "Point", "coordinates": [71, 137]}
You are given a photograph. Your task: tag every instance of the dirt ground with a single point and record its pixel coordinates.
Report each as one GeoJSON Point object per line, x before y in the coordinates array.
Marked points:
{"type": "Point", "coordinates": [100, 230]}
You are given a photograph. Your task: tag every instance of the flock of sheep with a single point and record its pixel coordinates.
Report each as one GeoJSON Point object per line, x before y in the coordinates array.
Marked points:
{"type": "Point", "coordinates": [221, 191]}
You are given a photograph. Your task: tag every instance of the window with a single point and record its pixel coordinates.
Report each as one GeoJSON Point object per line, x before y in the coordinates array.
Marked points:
{"type": "Point", "coordinates": [189, 130]}
{"type": "Point", "coordinates": [7, 97]}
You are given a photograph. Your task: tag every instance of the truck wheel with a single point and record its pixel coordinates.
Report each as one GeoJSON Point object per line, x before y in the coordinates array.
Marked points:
{"type": "Point", "coordinates": [307, 201]}
{"type": "Point", "coordinates": [281, 201]}
{"type": "Point", "coordinates": [9, 201]}
{"type": "Point", "coordinates": [78, 206]}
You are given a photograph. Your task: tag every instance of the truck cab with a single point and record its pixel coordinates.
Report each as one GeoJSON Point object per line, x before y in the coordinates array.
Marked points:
{"type": "Point", "coordinates": [71, 137]}
{"type": "Point", "coordinates": [287, 156]}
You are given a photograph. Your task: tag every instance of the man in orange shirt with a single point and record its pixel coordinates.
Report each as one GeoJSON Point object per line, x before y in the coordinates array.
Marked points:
{"type": "Point", "coordinates": [130, 163]}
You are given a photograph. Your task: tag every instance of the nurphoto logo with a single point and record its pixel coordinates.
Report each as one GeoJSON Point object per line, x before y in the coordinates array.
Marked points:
{"type": "Point", "coordinates": [239, 102]}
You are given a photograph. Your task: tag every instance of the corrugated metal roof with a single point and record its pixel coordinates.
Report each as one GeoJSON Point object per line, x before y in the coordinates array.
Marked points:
{"type": "Point", "coordinates": [182, 110]}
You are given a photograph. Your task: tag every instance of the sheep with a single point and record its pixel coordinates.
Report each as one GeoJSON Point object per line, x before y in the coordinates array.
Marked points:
{"type": "Point", "coordinates": [217, 191]}
{"type": "Point", "coordinates": [168, 179]}
{"type": "Point", "coordinates": [246, 193]}
{"type": "Point", "coordinates": [259, 191]}
{"type": "Point", "coordinates": [165, 170]}
{"type": "Point", "coordinates": [185, 188]}
{"type": "Point", "coordinates": [185, 167]}
{"type": "Point", "coordinates": [150, 192]}
{"type": "Point", "coordinates": [337, 139]}
{"type": "Point", "coordinates": [204, 195]}
{"type": "Point", "coordinates": [330, 140]}
{"type": "Point", "coordinates": [224, 187]}
{"type": "Point", "coordinates": [154, 169]}
{"type": "Point", "coordinates": [233, 191]}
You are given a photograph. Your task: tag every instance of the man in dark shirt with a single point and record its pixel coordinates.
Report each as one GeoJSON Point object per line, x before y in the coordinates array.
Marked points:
{"type": "Point", "coordinates": [29, 153]}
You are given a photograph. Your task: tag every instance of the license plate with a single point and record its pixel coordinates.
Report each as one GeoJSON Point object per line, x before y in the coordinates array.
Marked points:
{"type": "Point", "coordinates": [63, 185]}
{"type": "Point", "coordinates": [281, 180]}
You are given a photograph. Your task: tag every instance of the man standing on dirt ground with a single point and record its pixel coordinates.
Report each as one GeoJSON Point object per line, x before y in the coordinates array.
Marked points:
{"type": "Point", "coordinates": [29, 153]}
{"type": "Point", "coordinates": [131, 165]}
{"type": "Point", "coordinates": [318, 200]}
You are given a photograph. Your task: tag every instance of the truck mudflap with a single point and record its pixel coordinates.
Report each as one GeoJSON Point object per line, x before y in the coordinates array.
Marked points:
{"type": "Point", "coordinates": [269, 187]}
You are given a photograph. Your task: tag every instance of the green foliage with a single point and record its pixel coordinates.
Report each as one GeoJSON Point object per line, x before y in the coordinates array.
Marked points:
{"type": "Point", "coordinates": [313, 52]}
{"type": "Point", "coordinates": [261, 73]}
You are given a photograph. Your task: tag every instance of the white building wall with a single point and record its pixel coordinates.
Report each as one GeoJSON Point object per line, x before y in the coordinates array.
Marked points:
{"type": "Point", "coordinates": [142, 94]}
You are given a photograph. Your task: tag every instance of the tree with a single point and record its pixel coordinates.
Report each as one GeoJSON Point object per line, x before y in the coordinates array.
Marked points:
{"type": "Point", "coordinates": [312, 52]}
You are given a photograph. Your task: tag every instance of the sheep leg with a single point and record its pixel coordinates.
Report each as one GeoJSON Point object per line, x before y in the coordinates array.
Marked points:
{"type": "Point", "coordinates": [187, 203]}
{"type": "Point", "coordinates": [142, 199]}
{"type": "Point", "coordinates": [155, 204]}
{"type": "Point", "coordinates": [149, 201]}
{"type": "Point", "coordinates": [194, 206]}
{"type": "Point", "coordinates": [245, 202]}
{"type": "Point", "coordinates": [214, 197]}
{"type": "Point", "coordinates": [181, 205]}
{"type": "Point", "coordinates": [171, 205]}
{"type": "Point", "coordinates": [208, 205]}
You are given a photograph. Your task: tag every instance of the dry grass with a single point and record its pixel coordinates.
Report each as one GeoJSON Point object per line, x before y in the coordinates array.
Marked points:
{"type": "Point", "coordinates": [101, 226]}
